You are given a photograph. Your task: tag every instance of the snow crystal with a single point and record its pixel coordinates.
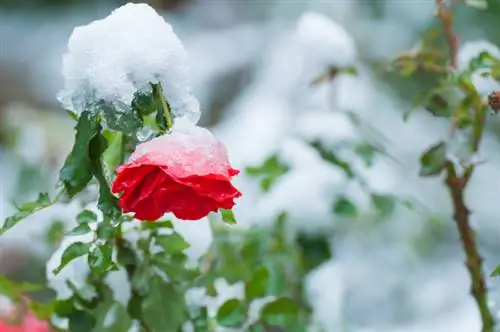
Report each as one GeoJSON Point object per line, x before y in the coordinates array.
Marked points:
{"type": "Point", "coordinates": [467, 51]}
{"type": "Point", "coordinates": [112, 58]}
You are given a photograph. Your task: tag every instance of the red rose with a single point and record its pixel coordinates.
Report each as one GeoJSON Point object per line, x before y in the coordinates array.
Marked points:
{"type": "Point", "coordinates": [186, 172]}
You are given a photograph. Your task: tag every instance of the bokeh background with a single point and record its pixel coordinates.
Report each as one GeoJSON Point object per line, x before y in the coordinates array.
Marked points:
{"type": "Point", "coordinates": [251, 62]}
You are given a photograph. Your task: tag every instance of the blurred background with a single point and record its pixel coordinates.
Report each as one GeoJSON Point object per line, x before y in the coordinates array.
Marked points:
{"type": "Point", "coordinates": [395, 265]}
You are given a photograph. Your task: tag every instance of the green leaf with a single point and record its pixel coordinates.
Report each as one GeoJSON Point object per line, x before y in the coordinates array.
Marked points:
{"type": "Point", "coordinates": [126, 255]}
{"type": "Point", "coordinates": [174, 267]}
{"type": "Point", "coordinates": [350, 70]}
{"type": "Point", "coordinates": [74, 251]}
{"type": "Point", "coordinates": [55, 233]}
{"type": "Point", "coordinates": [163, 310]}
{"type": "Point", "coordinates": [141, 278]}
{"type": "Point", "coordinates": [157, 224]}
{"type": "Point", "coordinates": [258, 285]}
{"type": "Point", "coordinates": [105, 231]}
{"type": "Point", "coordinates": [79, 230]}
{"type": "Point", "coordinates": [496, 272]}
{"type": "Point", "coordinates": [111, 316]}
{"type": "Point", "coordinates": [330, 157]}
{"type": "Point", "coordinates": [107, 203]}
{"type": "Point", "coordinates": [314, 249]}
{"type": "Point", "coordinates": [200, 321]}
{"type": "Point", "coordinates": [232, 313]}
{"type": "Point", "coordinates": [144, 103]}
{"type": "Point", "coordinates": [15, 290]}
{"type": "Point", "coordinates": [100, 259]}
{"type": "Point", "coordinates": [73, 115]}
{"type": "Point", "coordinates": [26, 210]}
{"type": "Point", "coordinates": [269, 171]}
{"type": "Point", "coordinates": [281, 312]}
{"type": "Point", "coordinates": [366, 152]}
{"type": "Point", "coordinates": [64, 308]}
{"type": "Point", "coordinates": [77, 170]}
{"type": "Point", "coordinates": [172, 243]}
{"type": "Point", "coordinates": [122, 118]}
{"type": "Point", "coordinates": [384, 204]}
{"type": "Point", "coordinates": [86, 216]}
{"type": "Point", "coordinates": [433, 161]}
{"type": "Point", "coordinates": [161, 120]}
{"type": "Point", "coordinates": [114, 154]}
{"type": "Point", "coordinates": [119, 319]}
{"type": "Point", "coordinates": [438, 106]}
{"type": "Point", "coordinates": [228, 216]}
{"type": "Point", "coordinates": [343, 207]}
{"type": "Point", "coordinates": [80, 321]}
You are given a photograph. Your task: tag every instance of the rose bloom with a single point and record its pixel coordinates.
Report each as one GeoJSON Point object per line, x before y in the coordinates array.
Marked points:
{"type": "Point", "coordinates": [186, 172]}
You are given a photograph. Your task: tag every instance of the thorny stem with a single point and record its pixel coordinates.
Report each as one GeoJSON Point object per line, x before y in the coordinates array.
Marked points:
{"type": "Point", "coordinates": [457, 184]}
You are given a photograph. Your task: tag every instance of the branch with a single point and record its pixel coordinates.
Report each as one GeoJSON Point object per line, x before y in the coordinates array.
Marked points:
{"type": "Point", "coordinates": [457, 184]}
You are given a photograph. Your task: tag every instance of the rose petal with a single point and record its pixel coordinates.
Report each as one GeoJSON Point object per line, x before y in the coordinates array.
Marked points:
{"type": "Point", "coordinates": [129, 176]}
{"type": "Point", "coordinates": [187, 204]}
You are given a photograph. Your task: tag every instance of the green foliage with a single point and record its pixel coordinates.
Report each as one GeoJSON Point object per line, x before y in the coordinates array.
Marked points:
{"type": "Point", "coordinates": [25, 210]}
{"type": "Point", "coordinates": [384, 204]}
{"type": "Point", "coordinates": [228, 216]}
{"type": "Point", "coordinates": [258, 285]}
{"type": "Point", "coordinates": [77, 170]}
{"type": "Point", "coordinates": [119, 118]}
{"type": "Point", "coordinates": [15, 290]}
{"type": "Point", "coordinates": [55, 232]}
{"type": "Point", "coordinates": [114, 154]}
{"type": "Point", "coordinates": [343, 207]}
{"type": "Point", "coordinates": [433, 161]}
{"type": "Point", "coordinates": [163, 308]}
{"type": "Point", "coordinates": [172, 243]}
{"type": "Point", "coordinates": [270, 171]}
{"type": "Point", "coordinates": [110, 315]}
{"type": "Point", "coordinates": [329, 156]}
{"type": "Point", "coordinates": [74, 251]}
{"type": "Point", "coordinates": [314, 250]}
{"type": "Point", "coordinates": [281, 312]}
{"type": "Point", "coordinates": [232, 313]}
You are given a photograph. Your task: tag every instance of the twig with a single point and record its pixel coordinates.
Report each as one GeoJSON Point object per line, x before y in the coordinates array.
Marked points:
{"type": "Point", "coordinates": [457, 184]}
{"type": "Point", "coordinates": [445, 14]}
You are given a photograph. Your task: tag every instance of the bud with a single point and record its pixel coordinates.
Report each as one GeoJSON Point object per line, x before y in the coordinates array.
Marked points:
{"type": "Point", "coordinates": [494, 101]}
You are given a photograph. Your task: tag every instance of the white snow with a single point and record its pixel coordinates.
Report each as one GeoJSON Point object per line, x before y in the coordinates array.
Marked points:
{"type": "Point", "coordinates": [115, 57]}
{"type": "Point", "coordinates": [326, 43]}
